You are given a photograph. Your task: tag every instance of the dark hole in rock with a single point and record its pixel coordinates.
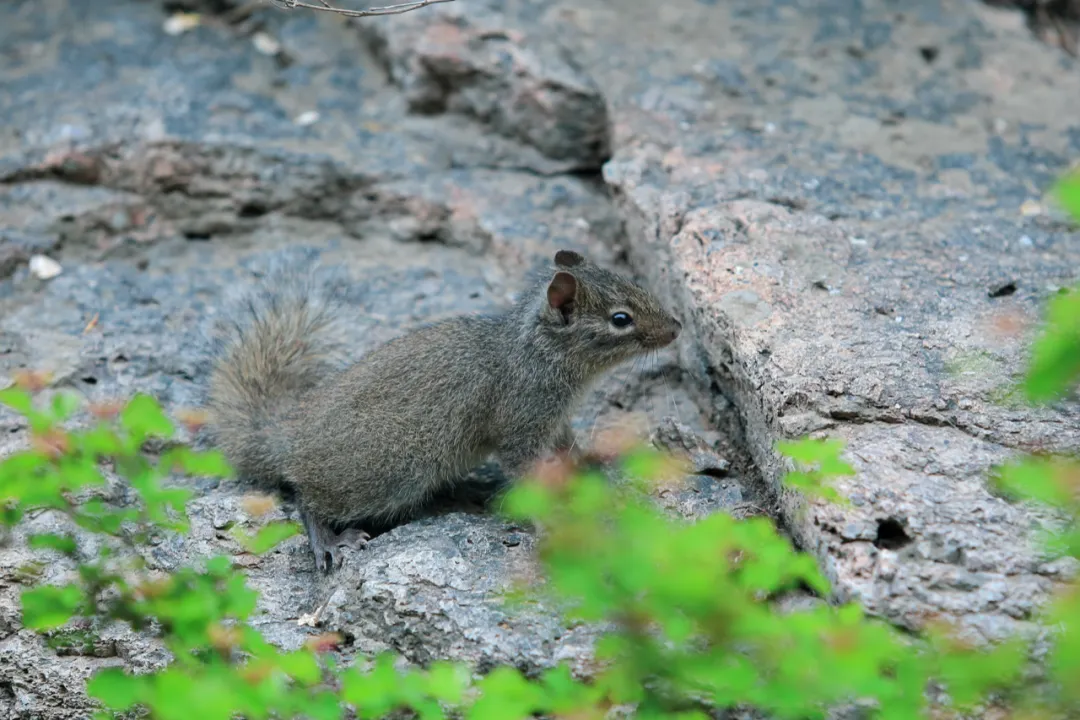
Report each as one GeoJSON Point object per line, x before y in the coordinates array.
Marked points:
{"type": "Point", "coordinates": [894, 118]}
{"type": "Point", "coordinates": [429, 236]}
{"type": "Point", "coordinates": [252, 210]}
{"type": "Point", "coordinates": [1003, 290]}
{"type": "Point", "coordinates": [790, 202]}
{"type": "Point", "coordinates": [891, 535]}
{"type": "Point", "coordinates": [217, 7]}
{"type": "Point", "coordinates": [713, 472]}
{"type": "Point", "coordinates": [90, 380]}
{"type": "Point", "coordinates": [197, 236]}
{"type": "Point", "coordinates": [929, 53]}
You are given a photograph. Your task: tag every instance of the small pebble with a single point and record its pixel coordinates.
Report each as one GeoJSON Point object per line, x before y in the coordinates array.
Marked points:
{"type": "Point", "coordinates": [1030, 208]}
{"type": "Point", "coordinates": [180, 23]}
{"type": "Point", "coordinates": [307, 118]}
{"type": "Point", "coordinates": [265, 44]}
{"type": "Point", "coordinates": [44, 268]}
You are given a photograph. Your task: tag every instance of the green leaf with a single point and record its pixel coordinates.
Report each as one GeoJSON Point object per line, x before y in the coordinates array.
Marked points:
{"type": "Point", "coordinates": [115, 689]}
{"type": "Point", "coordinates": [1067, 191]}
{"type": "Point", "coordinates": [49, 541]}
{"type": "Point", "coordinates": [100, 441]}
{"type": "Point", "coordinates": [240, 599]}
{"type": "Point", "coordinates": [374, 693]}
{"type": "Point", "coordinates": [219, 566]}
{"type": "Point", "coordinates": [644, 463]}
{"type": "Point", "coordinates": [1052, 481]}
{"type": "Point", "coordinates": [447, 682]}
{"type": "Point", "coordinates": [18, 400]}
{"type": "Point", "coordinates": [822, 461]}
{"type": "Point", "coordinates": [323, 706]}
{"type": "Point", "coordinates": [302, 666]}
{"type": "Point", "coordinates": [970, 675]}
{"type": "Point", "coordinates": [824, 453]}
{"type": "Point", "coordinates": [1055, 355]}
{"type": "Point", "coordinates": [202, 464]}
{"type": "Point", "coordinates": [506, 695]}
{"type": "Point", "coordinates": [51, 606]}
{"type": "Point", "coordinates": [1064, 660]}
{"type": "Point", "coordinates": [143, 417]}
{"type": "Point", "coordinates": [78, 474]}
{"type": "Point", "coordinates": [527, 501]}
{"type": "Point", "coordinates": [96, 516]}
{"type": "Point", "coordinates": [267, 537]}
{"type": "Point", "coordinates": [64, 404]}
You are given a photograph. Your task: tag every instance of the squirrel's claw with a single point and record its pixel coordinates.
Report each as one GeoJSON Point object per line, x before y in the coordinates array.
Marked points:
{"type": "Point", "coordinates": [327, 545]}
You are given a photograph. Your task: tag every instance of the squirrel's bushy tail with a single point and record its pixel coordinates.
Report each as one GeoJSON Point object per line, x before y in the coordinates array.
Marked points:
{"type": "Point", "coordinates": [272, 345]}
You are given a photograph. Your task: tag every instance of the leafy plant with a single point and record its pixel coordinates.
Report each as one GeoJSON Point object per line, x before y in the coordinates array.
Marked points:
{"type": "Point", "coordinates": [1067, 191]}
{"type": "Point", "coordinates": [690, 602]}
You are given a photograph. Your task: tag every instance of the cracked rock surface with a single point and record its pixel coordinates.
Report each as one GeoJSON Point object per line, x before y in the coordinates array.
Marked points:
{"type": "Point", "coordinates": [842, 199]}
{"type": "Point", "coordinates": [861, 248]}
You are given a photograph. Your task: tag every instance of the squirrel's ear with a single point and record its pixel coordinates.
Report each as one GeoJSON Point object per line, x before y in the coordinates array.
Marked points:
{"type": "Point", "coordinates": [561, 293]}
{"type": "Point", "coordinates": [568, 259]}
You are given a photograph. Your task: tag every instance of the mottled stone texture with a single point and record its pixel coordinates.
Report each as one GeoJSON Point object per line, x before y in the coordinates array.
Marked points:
{"type": "Point", "coordinates": [842, 199]}
{"type": "Point", "coordinates": [865, 256]}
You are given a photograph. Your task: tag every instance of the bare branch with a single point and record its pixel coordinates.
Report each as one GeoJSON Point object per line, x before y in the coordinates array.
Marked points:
{"type": "Point", "coordinates": [325, 6]}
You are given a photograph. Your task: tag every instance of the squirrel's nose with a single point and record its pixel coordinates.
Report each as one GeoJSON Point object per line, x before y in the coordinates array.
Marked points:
{"type": "Point", "coordinates": [675, 328]}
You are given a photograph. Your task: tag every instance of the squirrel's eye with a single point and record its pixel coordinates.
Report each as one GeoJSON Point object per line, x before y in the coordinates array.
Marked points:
{"type": "Point", "coordinates": [621, 320]}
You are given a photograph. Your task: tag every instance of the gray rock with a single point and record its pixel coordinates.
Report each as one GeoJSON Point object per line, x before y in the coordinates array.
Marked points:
{"type": "Point", "coordinates": [876, 307]}
{"type": "Point", "coordinates": [469, 58]}
{"type": "Point", "coordinates": [434, 589]}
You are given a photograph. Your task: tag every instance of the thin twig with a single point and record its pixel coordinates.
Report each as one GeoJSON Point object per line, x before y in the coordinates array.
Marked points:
{"type": "Point", "coordinates": [325, 6]}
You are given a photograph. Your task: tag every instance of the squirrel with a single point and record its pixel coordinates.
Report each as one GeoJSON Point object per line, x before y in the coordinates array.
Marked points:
{"type": "Point", "coordinates": [371, 441]}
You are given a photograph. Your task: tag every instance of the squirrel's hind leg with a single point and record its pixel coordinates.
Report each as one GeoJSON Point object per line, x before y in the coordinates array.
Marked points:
{"type": "Point", "coordinates": [327, 544]}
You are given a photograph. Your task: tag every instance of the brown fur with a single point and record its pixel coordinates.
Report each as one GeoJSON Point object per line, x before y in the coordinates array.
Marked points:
{"type": "Point", "coordinates": [373, 441]}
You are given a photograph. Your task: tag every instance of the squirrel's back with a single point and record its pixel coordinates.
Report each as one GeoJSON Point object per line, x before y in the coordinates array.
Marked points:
{"type": "Point", "coordinates": [406, 418]}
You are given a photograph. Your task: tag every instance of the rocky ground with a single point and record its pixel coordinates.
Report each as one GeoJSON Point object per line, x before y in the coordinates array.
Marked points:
{"type": "Point", "coordinates": [842, 199]}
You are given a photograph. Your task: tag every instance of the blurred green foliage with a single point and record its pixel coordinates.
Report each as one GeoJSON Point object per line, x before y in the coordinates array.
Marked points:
{"type": "Point", "coordinates": [693, 606]}
{"type": "Point", "coordinates": [1067, 191]}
